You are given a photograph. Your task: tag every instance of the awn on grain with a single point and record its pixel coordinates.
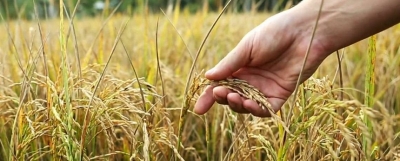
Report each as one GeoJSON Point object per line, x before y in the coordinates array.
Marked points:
{"type": "Point", "coordinates": [241, 87]}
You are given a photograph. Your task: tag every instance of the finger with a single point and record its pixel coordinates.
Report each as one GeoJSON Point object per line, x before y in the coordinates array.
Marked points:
{"type": "Point", "coordinates": [205, 101]}
{"type": "Point", "coordinates": [256, 110]}
{"type": "Point", "coordinates": [236, 59]}
{"type": "Point", "coordinates": [220, 100]}
{"type": "Point", "coordinates": [271, 84]}
{"type": "Point", "coordinates": [220, 94]}
{"type": "Point", "coordinates": [235, 102]}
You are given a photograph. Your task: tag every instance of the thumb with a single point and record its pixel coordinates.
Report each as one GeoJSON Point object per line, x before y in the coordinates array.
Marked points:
{"type": "Point", "coordinates": [236, 59]}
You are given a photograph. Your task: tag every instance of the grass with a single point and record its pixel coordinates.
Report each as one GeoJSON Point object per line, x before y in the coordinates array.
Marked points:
{"type": "Point", "coordinates": [113, 93]}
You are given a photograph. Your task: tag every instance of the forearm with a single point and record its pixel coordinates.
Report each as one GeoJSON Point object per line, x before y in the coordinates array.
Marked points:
{"type": "Point", "coordinates": [344, 22]}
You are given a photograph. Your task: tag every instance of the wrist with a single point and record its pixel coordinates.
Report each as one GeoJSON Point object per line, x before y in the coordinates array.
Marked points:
{"type": "Point", "coordinates": [342, 23]}
{"type": "Point", "coordinates": [304, 19]}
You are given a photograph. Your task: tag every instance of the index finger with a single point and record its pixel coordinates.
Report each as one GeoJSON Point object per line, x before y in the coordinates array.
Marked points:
{"type": "Point", "coordinates": [205, 101]}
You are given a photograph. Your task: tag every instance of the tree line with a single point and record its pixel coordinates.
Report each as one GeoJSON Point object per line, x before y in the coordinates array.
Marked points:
{"type": "Point", "coordinates": [28, 9]}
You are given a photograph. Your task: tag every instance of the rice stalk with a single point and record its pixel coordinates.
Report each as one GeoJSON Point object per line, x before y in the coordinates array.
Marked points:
{"type": "Point", "coordinates": [69, 135]}
{"type": "Point", "coordinates": [369, 89]}
{"type": "Point", "coordinates": [88, 116]}
{"type": "Point", "coordinates": [187, 100]}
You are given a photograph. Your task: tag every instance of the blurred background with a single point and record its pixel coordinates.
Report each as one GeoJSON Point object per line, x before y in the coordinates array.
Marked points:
{"type": "Point", "coordinates": [25, 9]}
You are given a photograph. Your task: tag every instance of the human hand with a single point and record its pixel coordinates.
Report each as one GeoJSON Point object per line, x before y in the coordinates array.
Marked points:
{"type": "Point", "coordinates": [270, 58]}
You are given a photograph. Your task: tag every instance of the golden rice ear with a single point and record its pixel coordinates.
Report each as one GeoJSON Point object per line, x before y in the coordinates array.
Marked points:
{"type": "Point", "coordinates": [197, 85]}
{"type": "Point", "coordinates": [242, 87]}
{"type": "Point", "coordinates": [246, 90]}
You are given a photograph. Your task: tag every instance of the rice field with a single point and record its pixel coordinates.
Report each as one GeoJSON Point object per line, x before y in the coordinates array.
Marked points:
{"type": "Point", "coordinates": [113, 88]}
